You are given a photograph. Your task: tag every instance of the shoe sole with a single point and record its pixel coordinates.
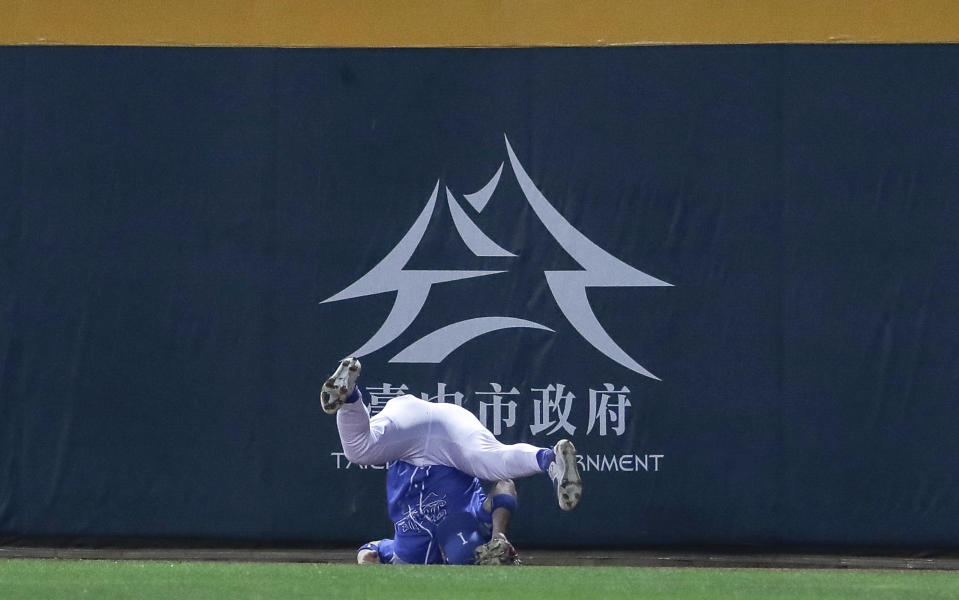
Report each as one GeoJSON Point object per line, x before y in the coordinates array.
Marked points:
{"type": "Point", "coordinates": [336, 388]}
{"type": "Point", "coordinates": [570, 489]}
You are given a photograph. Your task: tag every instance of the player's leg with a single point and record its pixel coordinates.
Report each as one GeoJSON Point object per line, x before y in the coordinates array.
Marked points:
{"type": "Point", "coordinates": [397, 433]}
{"type": "Point", "coordinates": [416, 549]}
{"type": "Point", "coordinates": [425, 433]}
{"type": "Point", "coordinates": [376, 440]}
{"type": "Point", "coordinates": [466, 534]}
{"type": "Point", "coordinates": [341, 396]}
{"type": "Point", "coordinates": [409, 550]}
{"type": "Point", "coordinates": [458, 439]}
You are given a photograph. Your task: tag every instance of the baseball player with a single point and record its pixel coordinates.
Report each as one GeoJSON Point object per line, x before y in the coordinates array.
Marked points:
{"type": "Point", "coordinates": [437, 454]}
{"type": "Point", "coordinates": [442, 516]}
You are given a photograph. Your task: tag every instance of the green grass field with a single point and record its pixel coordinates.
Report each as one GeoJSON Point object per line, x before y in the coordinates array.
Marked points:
{"type": "Point", "coordinates": [40, 579]}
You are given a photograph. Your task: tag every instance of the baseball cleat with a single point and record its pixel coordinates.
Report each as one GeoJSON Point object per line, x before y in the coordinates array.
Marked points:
{"type": "Point", "coordinates": [497, 552]}
{"type": "Point", "coordinates": [565, 475]}
{"type": "Point", "coordinates": [340, 385]}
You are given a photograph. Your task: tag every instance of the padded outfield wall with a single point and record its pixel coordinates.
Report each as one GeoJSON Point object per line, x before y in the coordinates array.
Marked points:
{"type": "Point", "coordinates": [728, 269]}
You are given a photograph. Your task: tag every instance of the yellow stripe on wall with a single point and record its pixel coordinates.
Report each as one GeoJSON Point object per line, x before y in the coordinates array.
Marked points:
{"type": "Point", "coordinates": [440, 23]}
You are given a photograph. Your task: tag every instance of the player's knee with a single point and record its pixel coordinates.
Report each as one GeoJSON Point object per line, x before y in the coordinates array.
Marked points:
{"type": "Point", "coordinates": [504, 486]}
{"type": "Point", "coordinates": [356, 455]}
{"type": "Point", "coordinates": [351, 454]}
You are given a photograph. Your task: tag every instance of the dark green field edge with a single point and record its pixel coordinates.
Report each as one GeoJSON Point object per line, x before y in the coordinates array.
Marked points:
{"type": "Point", "coordinates": [178, 549]}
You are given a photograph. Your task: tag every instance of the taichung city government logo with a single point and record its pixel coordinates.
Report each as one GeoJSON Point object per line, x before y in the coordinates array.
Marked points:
{"type": "Point", "coordinates": [568, 288]}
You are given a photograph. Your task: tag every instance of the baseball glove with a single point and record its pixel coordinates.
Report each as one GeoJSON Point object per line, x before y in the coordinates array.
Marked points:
{"type": "Point", "coordinates": [497, 552]}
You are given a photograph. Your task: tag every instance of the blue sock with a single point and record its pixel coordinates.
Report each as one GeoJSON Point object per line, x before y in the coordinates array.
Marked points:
{"type": "Point", "coordinates": [353, 397]}
{"type": "Point", "coordinates": [544, 457]}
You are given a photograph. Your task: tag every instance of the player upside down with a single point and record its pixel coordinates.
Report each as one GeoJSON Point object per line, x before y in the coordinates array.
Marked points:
{"type": "Point", "coordinates": [437, 453]}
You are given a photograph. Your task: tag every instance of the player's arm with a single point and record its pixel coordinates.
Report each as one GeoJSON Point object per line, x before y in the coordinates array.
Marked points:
{"type": "Point", "coordinates": [367, 556]}
{"type": "Point", "coordinates": [375, 553]}
{"type": "Point", "coordinates": [500, 504]}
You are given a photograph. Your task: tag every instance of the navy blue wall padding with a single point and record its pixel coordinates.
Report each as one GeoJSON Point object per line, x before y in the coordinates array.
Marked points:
{"type": "Point", "coordinates": [171, 220]}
